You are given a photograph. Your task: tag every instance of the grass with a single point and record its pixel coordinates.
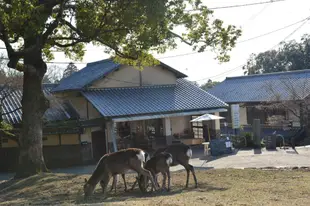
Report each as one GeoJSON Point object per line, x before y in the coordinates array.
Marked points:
{"type": "Point", "coordinates": [216, 187]}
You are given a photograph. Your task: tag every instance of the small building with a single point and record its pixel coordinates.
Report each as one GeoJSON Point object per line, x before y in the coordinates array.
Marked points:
{"type": "Point", "coordinates": [125, 107]}
{"type": "Point", "coordinates": [287, 91]}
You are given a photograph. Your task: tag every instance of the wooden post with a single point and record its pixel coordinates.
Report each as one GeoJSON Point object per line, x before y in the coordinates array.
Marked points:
{"type": "Point", "coordinates": [257, 131]}
{"type": "Point", "coordinates": [208, 132]}
{"type": "Point", "coordinates": [113, 135]}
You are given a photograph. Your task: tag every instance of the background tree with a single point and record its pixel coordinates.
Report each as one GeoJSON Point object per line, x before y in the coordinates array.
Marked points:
{"type": "Point", "coordinates": [53, 74]}
{"type": "Point", "coordinates": [210, 84]}
{"type": "Point", "coordinates": [71, 68]}
{"type": "Point", "coordinates": [295, 100]}
{"type": "Point", "coordinates": [291, 55]}
{"type": "Point", "coordinates": [129, 30]}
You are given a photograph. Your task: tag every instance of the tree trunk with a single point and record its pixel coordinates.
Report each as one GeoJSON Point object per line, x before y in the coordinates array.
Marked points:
{"type": "Point", "coordinates": [34, 104]}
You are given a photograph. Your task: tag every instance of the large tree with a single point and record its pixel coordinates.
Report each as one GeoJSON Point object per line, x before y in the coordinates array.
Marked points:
{"type": "Point", "coordinates": [53, 74]}
{"type": "Point", "coordinates": [209, 84]}
{"type": "Point", "coordinates": [128, 29]}
{"type": "Point", "coordinates": [291, 55]}
{"type": "Point", "coordinates": [71, 68]}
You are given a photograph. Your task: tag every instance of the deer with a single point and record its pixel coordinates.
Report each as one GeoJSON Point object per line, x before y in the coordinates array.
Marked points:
{"type": "Point", "coordinates": [181, 154]}
{"type": "Point", "coordinates": [159, 163]}
{"type": "Point", "coordinates": [147, 158]}
{"type": "Point", "coordinates": [116, 163]}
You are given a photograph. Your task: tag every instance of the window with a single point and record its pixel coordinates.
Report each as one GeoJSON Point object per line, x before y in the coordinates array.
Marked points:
{"type": "Point", "coordinates": [197, 128]}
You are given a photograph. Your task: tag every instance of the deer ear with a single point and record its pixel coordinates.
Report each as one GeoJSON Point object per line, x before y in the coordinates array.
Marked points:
{"type": "Point", "coordinates": [85, 180]}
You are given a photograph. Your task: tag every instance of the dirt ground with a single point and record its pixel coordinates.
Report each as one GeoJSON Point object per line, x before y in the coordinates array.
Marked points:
{"type": "Point", "coordinates": [216, 187]}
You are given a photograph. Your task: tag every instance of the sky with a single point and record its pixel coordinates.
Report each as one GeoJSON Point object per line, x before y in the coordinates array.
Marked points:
{"type": "Point", "coordinates": [253, 20]}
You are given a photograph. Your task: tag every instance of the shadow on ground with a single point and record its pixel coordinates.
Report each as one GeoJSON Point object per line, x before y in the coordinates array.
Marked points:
{"type": "Point", "coordinates": [54, 189]}
{"type": "Point", "coordinates": [137, 194]}
{"type": "Point", "coordinates": [32, 189]}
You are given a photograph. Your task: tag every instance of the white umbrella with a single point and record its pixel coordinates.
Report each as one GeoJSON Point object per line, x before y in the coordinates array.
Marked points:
{"type": "Point", "coordinates": [207, 117]}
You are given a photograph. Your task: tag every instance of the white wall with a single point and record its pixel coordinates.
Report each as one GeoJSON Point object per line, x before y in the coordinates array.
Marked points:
{"type": "Point", "coordinates": [127, 76]}
{"type": "Point", "coordinates": [178, 124]}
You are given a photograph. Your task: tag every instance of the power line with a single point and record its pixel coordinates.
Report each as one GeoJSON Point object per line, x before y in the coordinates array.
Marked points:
{"type": "Point", "coordinates": [243, 41]}
{"type": "Point", "coordinates": [231, 70]}
{"type": "Point", "coordinates": [191, 53]}
{"type": "Point", "coordinates": [254, 16]}
{"type": "Point", "coordinates": [239, 5]}
{"type": "Point", "coordinates": [288, 36]}
{"type": "Point", "coordinates": [274, 31]}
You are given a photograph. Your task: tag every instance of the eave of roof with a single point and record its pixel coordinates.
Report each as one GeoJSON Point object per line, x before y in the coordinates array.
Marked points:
{"type": "Point", "coordinates": [180, 97]}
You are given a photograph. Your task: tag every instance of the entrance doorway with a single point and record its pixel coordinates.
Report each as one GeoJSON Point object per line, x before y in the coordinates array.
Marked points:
{"type": "Point", "coordinates": [98, 144]}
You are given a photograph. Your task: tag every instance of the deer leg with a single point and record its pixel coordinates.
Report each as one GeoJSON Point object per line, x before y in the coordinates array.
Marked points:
{"type": "Point", "coordinates": [148, 174]}
{"type": "Point", "coordinates": [188, 169]}
{"type": "Point", "coordinates": [113, 183]}
{"type": "Point", "coordinates": [134, 184]}
{"type": "Point", "coordinates": [164, 180]}
{"type": "Point", "coordinates": [168, 174]}
{"type": "Point", "coordinates": [156, 179]}
{"type": "Point", "coordinates": [123, 176]}
{"type": "Point", "coordinates": [187, 177]}
{"type": "Point", "coordinates": [194, 175]}
{"type": "Point", "coordinates": [104, 184]}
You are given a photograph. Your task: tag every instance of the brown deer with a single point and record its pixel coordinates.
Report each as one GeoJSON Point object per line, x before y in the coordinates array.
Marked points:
{"type": "Point", "coordinates": [181, 154]}
{"type": "Point", "coordinates": [116, 163]}
{"type": "Point", "coordinates": [147, 158]}
{"type": "Point", "coordinates": [157, 164]}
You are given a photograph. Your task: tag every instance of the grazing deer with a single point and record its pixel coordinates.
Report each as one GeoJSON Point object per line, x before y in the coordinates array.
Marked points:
{"type": "Point", "coordinates": [147, 158]}
{"type": "Point", "coordinates": [157, 164]}
{"type": "Point", "coordinates": [116, 163]}
{"type": "Point", "coordinates": [181, 153]}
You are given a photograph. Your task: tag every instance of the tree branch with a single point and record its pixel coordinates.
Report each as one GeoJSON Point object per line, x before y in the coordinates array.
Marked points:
{"type": "Point", "coordinates": [181, 38]}
{"type": "Point", "coordinates": [55, 23]}
{"type": "Point", "coordinates": [73, 28]}
{"type": "Point", "coordinates": [69, 44]}
{"type": "Point", "coordinates": [87, 39]}
{"type": "Point", "coordinates": [14, 56]}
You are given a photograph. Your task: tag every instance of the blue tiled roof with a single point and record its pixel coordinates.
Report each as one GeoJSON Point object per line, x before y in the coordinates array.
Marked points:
{"type": "Point", "coordinates": [94, 71]}
{"type": "Point", "coordinates": [180, 97]}
{"type": "Point", "coordinates": [264, 87]}
{"type": "Point", "coordinates": [12, 101]}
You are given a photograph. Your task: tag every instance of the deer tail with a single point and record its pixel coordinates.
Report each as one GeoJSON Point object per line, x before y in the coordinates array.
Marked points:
{"type": "Point", "coordinates": [189, 152]}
